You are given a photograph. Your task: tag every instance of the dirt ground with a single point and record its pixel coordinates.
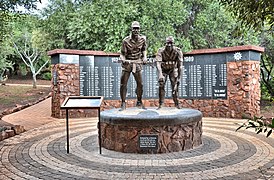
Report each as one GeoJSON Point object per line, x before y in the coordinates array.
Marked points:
{"type": "Point", "coordinates": [27, 81]}
{"type": "Point", "coordinates": [267, 109]}
{"type": "Point", "coordinates": [9, 101]}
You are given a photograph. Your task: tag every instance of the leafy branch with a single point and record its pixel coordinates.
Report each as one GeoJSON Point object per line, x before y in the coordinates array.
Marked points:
{"type": "Point", "coordinates": [260, 124]}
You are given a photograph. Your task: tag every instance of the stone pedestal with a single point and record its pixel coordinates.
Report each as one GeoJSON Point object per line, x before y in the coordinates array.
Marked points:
{"type": "Point", "coordinates": [151, 131]}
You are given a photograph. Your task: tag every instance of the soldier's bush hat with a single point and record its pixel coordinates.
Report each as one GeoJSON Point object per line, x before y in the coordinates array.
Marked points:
{"type": "Point", "coordinates": [169, 39]}
{"type": "Point", "coordinates": [135, 24]}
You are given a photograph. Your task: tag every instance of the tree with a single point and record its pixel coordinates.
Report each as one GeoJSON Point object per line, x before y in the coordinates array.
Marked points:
{"type": "Point", "coordinates": [8, 10]}
{"type": "Point", "coordinates": [10, 5]}
{"type": "Point", "coordinates": [30, 52]}
{"type": "Point", "coordinates": [254, 13]}
{"type": "Point", "coordinates": [57, 16]}
{"type": "Point", "coordinates": [209, 25]}
{"type": "Point", "coordinates": [101, 25]}
{"type": "Point", "coordinates": [30, 44]}
{"type": "Point", "coordinates": [4, 63]}
{"type": "Point", "coordinates": [267, 64]}
{"type": "Point", "coordinates": [258, 15]}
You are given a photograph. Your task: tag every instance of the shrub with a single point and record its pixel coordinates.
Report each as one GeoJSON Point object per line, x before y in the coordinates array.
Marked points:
{"type": "Point", "coordinates": [46, 76]}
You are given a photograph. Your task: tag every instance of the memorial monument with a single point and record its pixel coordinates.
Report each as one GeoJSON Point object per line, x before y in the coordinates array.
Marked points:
{"type": "Point", "coordinates": [220, 82]}
{"type": "Point", "coordinates": [151, 130]}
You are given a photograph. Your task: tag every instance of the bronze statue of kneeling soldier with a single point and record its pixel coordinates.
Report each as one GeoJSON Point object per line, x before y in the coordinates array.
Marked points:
{"type": "Point", "coordinates": [169, 64]}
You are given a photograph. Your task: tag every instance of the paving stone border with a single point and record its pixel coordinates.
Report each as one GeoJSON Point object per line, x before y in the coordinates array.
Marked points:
{"type": "Point", "coordinates": [225, 154]}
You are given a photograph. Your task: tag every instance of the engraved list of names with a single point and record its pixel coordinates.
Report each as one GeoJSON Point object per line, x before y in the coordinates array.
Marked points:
{"type": "Point", "coordinates": [203, 77]}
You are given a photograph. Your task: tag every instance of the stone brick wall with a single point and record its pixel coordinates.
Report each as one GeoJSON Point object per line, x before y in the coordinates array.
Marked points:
{"type": "Point", "coordinates": [243, 90]}
{"type": "Point", "coordinates": [172, 138]}
{"type": "Point", "coordinates": [243, 94]}
{"type": "Point", "coordinates": [242, 82]}
{"type": "Point", "coordinates": [68, 84]}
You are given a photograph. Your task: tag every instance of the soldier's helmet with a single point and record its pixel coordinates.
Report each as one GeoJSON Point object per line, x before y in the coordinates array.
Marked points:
{"type": "Point", "coordinates": [135, 24]}
{"type": "Point", "coordinates": [169, 39]}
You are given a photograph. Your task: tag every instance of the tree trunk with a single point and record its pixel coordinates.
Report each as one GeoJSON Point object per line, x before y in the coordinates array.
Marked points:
{"type": "Point", "coordinates": [34, 85]}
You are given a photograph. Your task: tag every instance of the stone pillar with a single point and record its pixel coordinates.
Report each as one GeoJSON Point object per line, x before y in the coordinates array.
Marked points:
{"type": "Point", "coordinates": [66, 78]}
{"type": "Point", "coordinates": [244, 88]}
{"type": "Point", "coordinates": [65, 83]}
{"type": "Point", "coordinates": [243, 85]}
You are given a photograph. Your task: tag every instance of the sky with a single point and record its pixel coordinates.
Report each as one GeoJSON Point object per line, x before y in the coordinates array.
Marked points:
{"type": "Point", "coordinates": [42, 5]}
{"type": "Point", "coordinates": [39, 7]}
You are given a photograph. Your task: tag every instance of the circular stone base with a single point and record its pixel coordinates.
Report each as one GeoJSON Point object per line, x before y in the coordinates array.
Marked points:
{"type": "Point", "coordinates": [150, 130]}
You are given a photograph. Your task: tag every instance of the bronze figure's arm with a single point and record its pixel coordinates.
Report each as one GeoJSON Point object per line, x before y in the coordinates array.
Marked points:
{"type": "Point", "coordinates": [179, 64]}
{"type": "Point", "coordinates": [158, 66]}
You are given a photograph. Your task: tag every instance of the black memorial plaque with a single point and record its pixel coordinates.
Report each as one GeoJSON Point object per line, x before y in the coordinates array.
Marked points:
{"type": "Point", "coordinates": [203, 77]}
{"type": "Point", "coordinates": [88, 77]}
{"type": "Point", "coordinates": [150, 79]}
{"type": "Point", "coordinates": [148, 141]}
{"type": "Point", "coordinates": [100, 76]}
{"type": "Point", "coordinates": [219, 83]}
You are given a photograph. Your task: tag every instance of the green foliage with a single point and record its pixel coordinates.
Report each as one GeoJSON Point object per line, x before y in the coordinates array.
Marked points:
{"type": "Point", "coordinates": [211, 26]}
{"type": "Point", "coordinates": [4, 65]}
{"type": "Point", "coordinates": [101, 25]}
{"type": "Point", "coordinates": [253, 13]}
{"type": "Point", "coordinates": [267, 64]}
{"type": "Point", "coordinates": [159, 19]}
{"type": "Point", "coordinates": [46, 76]}
{"type": "Point", "coordinates": [29, 37]}
{"type": "Point", "coordinates": [7, 13]}
{"type": "Point", "coordinates": [23, 70]}
{"type": "Point", "coordinates": [30, 44]}
{"type": "Point", "coordinates": [260, 124]}
{"type": "Point", "coordinates": [10, 5]}
{"type": "Point", "coordinates": [57, 17]}
{"type": "Point", "coordinates": [4, 62]}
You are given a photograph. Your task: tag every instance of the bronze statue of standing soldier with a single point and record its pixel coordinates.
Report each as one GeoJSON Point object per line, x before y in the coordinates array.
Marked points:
{"type": "Point", "coordinates": [133, 56]}
{"type": "Point", "coordinates": [169, 64]}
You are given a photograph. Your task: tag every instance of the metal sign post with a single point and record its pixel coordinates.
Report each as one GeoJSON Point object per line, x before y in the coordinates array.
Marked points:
{"type": "Point", "coordinates": [83, 102]}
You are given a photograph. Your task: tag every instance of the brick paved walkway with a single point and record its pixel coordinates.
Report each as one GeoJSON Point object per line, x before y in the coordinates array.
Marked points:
{"type": "Point", "coordinates": [33, 116]}
{"type": "Point", "coordinates": [40, 153]}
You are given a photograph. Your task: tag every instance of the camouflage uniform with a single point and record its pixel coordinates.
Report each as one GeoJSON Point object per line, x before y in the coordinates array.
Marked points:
{"type": "Point", "coordinates": [169, 63]}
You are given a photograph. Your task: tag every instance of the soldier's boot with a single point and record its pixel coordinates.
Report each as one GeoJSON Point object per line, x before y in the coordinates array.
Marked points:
{"type": "Point", "coordinates": [140, 104]}
{"type": "Point", "coordinates": [177, 105]}
{"type": "Point", "coordinates": [123, 106]}
{"type": "Point", "coordinates": [161, 104]}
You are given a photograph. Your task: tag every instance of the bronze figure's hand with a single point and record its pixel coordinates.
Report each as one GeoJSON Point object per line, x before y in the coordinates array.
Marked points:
{"type": "Point", "coordinates": [125, 62]}
{"type": "Point", "coordinates": [144, 61]}
{"type": "Point", "coordinates": [161, 79]}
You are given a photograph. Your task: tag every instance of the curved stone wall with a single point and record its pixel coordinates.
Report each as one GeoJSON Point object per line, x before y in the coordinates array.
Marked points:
{"type": "Point", "coordinates": [175, 129]}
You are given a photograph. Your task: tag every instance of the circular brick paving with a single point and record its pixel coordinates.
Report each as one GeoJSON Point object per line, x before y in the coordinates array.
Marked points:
{"type": "Point", "coordinates": [225, 154]}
